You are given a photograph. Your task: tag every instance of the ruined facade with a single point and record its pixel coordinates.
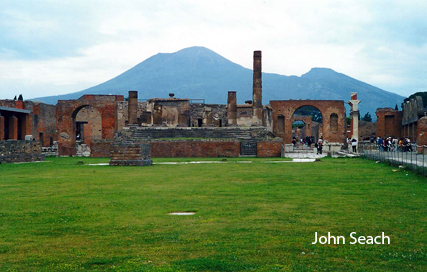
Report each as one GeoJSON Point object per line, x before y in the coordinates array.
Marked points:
{"type": "Point", "coordinates": [389, 123]}
{"type": "Point", "coordinates": [333, 113]}
{"type": "Point", "coordinates": [413, 110]}
{"type": "Point", "coordinates": [404, 123]}
{"type": "Point", "coordinates": [92, 121]}
{"type": "Point", "coordinates": [21, 118]}
{"type": "Point", "coordinates": [99, 120]}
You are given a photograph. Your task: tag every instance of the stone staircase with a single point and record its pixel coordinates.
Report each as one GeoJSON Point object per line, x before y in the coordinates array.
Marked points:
{"type": "Point", "coordinates": [144, 133]}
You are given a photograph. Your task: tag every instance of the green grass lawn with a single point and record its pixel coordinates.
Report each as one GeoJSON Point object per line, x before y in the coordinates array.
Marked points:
{"type": "Point", "coordinates": [260, 216]}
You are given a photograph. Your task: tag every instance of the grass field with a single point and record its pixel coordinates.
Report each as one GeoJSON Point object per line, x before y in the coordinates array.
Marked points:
{"type": "Point", "coordinates": [60, 215]}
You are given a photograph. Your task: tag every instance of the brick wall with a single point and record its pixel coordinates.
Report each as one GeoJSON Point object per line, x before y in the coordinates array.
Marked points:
{"type": "Point", "coordinates": [126, 153]}
{"type": "Point", "coordinates": [100, 148]}
{"type": "Point", "coordinates": [20, 151]}
{"type": "Point", "coordinates": [271, 148]}
{"type": "Point", "coordinates": [195, 148]}
{"type": "Point", "coordinates": [422, 135]}
{"type": "Point", "coordinates": [389, 122]}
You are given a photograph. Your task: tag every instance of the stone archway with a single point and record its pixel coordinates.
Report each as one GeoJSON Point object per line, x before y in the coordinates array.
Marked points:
{"type": "Point", "coordinates": [87, 122]}
{"type": "Point", "coordinates": [327, 108]}
{"type": "Point", "coordinates": [67, 114]}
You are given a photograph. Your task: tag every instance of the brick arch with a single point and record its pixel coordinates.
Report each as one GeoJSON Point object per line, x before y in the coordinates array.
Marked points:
{"type": "Point", "coordinates": [326, 107]}
{"type": "Point", "coordinates": [92, 129]}
{"type": "Point", "coordinates": [66, 112]}
{"type": "Point", "coordinates": [306, 120]}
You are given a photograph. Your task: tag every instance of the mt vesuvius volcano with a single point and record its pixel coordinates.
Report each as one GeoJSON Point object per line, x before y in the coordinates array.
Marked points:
{"type": "Point", "coordinates": [200, 73]}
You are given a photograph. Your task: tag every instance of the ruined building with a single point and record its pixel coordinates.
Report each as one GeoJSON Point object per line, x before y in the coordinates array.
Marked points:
{"type": "Point", "coordinates": [190, 129]}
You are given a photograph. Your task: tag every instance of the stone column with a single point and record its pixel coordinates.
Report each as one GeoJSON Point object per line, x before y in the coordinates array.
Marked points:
{"type": "Point", "coordinates": [2, 128]}
{"type": "Point", "coordinates": [13, 128]}
{"type": "Point", "coordinates": [133, 108]}
{"type": "Point", "coordinates": [354, 114]}
{"type": "Point", "coordinates": [257, 90]}
{"type": "Point", "coordinates": [232, 109]}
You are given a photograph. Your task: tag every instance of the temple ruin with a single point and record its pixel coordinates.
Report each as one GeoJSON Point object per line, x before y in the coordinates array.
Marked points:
{"type": "Point", "coordinates": [173, 127]}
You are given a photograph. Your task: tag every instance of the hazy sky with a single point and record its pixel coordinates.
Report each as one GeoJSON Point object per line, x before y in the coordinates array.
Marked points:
{"type": "Point", "coordinates": [62, 46]}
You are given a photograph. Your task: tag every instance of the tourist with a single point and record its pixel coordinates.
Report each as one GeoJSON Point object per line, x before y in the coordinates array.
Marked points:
{"type": "Point", "coordinates": [354, 145]}
{"type": "Point", "coordinates": [319, 146]}
{"type": "Point", "coordinates": [380, 143]}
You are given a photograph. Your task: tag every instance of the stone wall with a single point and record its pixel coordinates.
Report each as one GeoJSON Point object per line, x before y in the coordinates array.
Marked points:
{"type": "Point", "coordinates": [270, 148]}
{"type": "Point", "coordinates": [367, 129]}
{"type": "Point", "coordinates": [208, 115]}
{"type": "Point", "coordinates": [209, 148]}
{"type": "Point", "coordinates": [20, 151]}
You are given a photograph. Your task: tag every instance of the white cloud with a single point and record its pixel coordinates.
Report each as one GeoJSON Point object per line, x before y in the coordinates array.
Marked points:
{"type": "Point", "coordinates": [58, 47]}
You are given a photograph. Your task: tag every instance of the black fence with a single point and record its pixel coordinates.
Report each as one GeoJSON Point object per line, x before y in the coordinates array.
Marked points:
{"type": "Point", "coordinates": [411, 157]}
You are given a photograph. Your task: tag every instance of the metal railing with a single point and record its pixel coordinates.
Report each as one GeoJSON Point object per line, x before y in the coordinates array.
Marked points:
{"type": "Point", "coordinates": [411, 157]}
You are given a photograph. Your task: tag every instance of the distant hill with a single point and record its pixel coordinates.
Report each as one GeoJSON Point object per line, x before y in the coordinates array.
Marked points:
{"type": "Point", "coordinates": [200, 73]}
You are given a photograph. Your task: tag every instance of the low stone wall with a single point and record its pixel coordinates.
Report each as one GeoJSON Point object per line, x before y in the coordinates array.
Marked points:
{"type": "Point", "coordinates": [129, 153]}
{"type": "Point", "coordinates": [270, 148]}
{"type": "Point", "coordinates": [51, 151]}
{"type": "Point", "coordinates": [209, 148]}
{"type": "Point", "coordinates": [20, 151]}
{"type": "Point", "coordinates": [193, 148]}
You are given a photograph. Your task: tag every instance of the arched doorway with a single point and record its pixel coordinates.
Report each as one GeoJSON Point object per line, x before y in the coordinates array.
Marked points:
{"type": "Point", "coordinates": [87, 125]}
{"type": "Point", "coordinates": [326, 118]}
{"type": "Point", "coordinates": [312, 119]}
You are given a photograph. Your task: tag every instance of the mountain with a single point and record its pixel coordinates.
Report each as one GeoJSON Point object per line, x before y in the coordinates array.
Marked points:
{"type": "Point", "coordinates": [200, 73]}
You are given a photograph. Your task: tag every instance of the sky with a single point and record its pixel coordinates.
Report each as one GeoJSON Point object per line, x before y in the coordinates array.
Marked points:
{"type": "Point", "coordinates": [52, 47]}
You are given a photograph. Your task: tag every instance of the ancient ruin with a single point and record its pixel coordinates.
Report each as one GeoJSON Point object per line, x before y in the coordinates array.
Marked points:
{"type": "Point", "coordinates": [106, 125]}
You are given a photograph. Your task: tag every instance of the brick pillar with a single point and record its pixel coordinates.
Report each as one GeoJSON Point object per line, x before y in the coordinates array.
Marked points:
{"type": "Point", "coordinates": [13, 128]}
{"type": "Point", "coordinates": [2, 128]}
{"type": "Point", "coordinates": [232, 108]}
{"type": "Point", "coordinates": [257, 90]}
{"type": "Point", "coordinates": [25, 126]}
{"type": "Point", "coordinates": [133, 108]}
{"type": "Point", "coordinates": [19, 104]}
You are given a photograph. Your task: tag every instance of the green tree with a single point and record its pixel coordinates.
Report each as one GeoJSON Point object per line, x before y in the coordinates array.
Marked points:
{"type": "Point", "coordinates": [367, 117]}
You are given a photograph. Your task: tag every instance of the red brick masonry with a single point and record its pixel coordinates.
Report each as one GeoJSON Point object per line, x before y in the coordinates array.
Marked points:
{"type": "Point", "coordinates": [208, 148]}
{"type": "Point", "coordinates": [195, 148]}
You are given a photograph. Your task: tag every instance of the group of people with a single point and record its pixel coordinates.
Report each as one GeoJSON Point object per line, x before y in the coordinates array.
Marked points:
{"type": "Point", "coordinates": [309, 140]}
{"type": "Point", "coordinates": [393, 144]}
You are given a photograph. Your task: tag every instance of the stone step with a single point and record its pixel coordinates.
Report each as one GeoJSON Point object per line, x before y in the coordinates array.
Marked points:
{"type": "Point", "coordinates": [157, 133]}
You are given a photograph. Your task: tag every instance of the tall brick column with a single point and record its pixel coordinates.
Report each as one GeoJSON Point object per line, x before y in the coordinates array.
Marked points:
{"type": "Point", "coordinates": [232, 108]}
{"type": "Point", "coordinates": [2, 128]}
{"type": "Point", "coordinates": [133, 108]}
{"type": "Point", "coordinates": [25, 126]}
{"type": "Point", "coordinates": [13, 128]}
{"type": "Point", "coordinates": [257, 90]}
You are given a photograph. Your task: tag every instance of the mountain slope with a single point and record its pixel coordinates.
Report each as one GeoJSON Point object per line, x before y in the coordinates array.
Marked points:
{"type": "Point", "coordinates": [199, 73]}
